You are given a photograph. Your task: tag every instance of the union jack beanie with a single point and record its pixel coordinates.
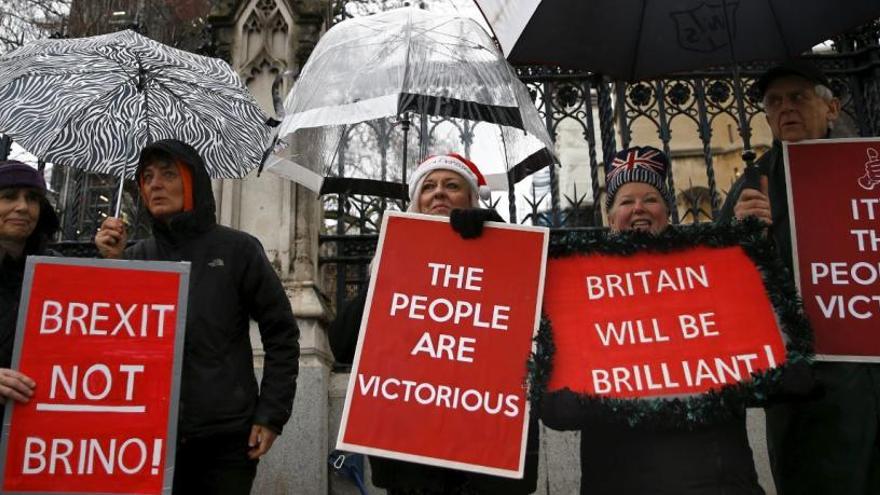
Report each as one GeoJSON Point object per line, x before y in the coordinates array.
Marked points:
{"type": "Point", "coordinates": [636, 164]}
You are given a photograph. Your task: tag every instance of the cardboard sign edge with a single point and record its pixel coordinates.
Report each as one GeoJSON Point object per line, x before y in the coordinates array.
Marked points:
{"type": "Point", "coordinates": [182, 269]}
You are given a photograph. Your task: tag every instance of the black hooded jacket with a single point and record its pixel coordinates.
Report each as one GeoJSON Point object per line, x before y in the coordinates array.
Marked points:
{"type": "Point", "coordinates": [231, 282]}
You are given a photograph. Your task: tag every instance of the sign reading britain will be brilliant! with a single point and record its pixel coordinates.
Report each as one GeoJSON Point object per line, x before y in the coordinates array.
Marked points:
{"type": "Point", "coordinates": [659, 324]}
{"type": "Point", "coordinates": [672, 330]}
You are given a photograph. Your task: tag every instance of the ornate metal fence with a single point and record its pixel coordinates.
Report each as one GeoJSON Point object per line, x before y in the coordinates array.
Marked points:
{"type": "Point", "coordinates": [693, 117]}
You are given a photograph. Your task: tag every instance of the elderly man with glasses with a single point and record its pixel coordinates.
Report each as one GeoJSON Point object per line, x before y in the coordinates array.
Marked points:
{"type": "Point", "coordinates": [824, 443]}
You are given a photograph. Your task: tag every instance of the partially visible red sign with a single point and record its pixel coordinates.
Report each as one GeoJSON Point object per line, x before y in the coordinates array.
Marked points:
{"type": "Point", "coordinates": [440, 369]}
{"type": "Point", "coordinates": [834, 206]}
{"type": "Point", "coordinates": [103, 341]}
{"type": "Point", "coordinates": [653, 325]}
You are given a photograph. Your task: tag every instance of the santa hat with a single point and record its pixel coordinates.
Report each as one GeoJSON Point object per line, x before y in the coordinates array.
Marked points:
{"type": "Point", "coordinates": [455, 163]}
{"type": "Point", "coordinates": [636, 164]}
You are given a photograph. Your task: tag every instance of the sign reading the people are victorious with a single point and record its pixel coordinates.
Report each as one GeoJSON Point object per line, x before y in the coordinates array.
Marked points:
{"type": "Point", "coordinates": [834, 204]}
{"type": "Point", "coordinates": [659, 324]}
{"type": "Point", "coordinates": [103, 340]}
{"type": "Point", "coordinates": [440, 368]}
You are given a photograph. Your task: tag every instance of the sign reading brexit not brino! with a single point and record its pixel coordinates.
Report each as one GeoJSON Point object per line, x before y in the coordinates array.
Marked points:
{"type": "Point", "coordinates": [103, 340]}
{"type": "Point", "coordinates": [834, 206]}
{"type": "Point", "coordinates": [655, 324]}
{"type": "Point", "coordinates": [440, 369]}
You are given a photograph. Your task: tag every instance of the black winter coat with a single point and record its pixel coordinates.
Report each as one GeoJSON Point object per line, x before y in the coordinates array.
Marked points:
{"type": "Point", "coordinates": [231, 281]}
{"type": "Point", "coordinates": [621, 460]}
{"type": "Point", "coordinates": [771, 165]}
{"type": "Point", "coordinates": [400, 477]}
{"type": "Point", "coordinates": [12, 277]}
{"type": "Point", "coordinates": [811, 447]}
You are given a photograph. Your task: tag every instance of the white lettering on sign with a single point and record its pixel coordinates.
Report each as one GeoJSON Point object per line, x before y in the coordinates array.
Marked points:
{"type": "Point", "coordinates": [668, 376]}
{"type": "Point", "coordinates": [96, 382]}
{"type": "Point", "coordinates": [865, 207]}
{"type": "Point", "coordinates": [646, 282]}
{"type": "Point", "coordinates": [442, 310]}
{"type": "Point", "coordinates": [135, 320]}
{"type": "Point", "coordinates": [447, 347]}
{"type": "Point", "coordinates": [460, 277]}
{"type": "Point", "coordinates": [432, 395]}
{"type": "Point", "coordinates": [91, 456]}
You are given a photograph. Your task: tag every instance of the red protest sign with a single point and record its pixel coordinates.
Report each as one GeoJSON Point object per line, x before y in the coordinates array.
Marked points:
{"type": "Point", "coordinates": [440, 367]}
{"type": "Point", "coordinates": [834, 206]}
{"type": "Point", "coordinates": [659, 324]}
{"type": "Point", "coordinates": [103, 341]}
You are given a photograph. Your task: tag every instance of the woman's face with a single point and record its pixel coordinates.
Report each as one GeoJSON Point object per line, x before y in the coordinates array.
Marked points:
{"type": "Point", "coordinates": [442, 191]}
{"type": "Point", "coordinates": [638, 206]}
{"type": "Point", "coordinates": [19, 213]}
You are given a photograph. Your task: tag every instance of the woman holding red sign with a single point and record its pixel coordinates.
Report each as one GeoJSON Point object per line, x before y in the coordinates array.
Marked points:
{"type": "Point", "coordinates": [444, 185]}
{"type": "Point", "coordinates": [27, 222]}
{"type": "Point", "coordinates": [621, 459]}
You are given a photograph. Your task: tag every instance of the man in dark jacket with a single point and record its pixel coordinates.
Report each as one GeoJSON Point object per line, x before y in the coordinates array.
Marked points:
{"type": "Point", "coordinates": [830, 444]}
{"type": "Point", "coordinates": [226, 421]}
{"type": "Point", "coordinates": [27, 222]}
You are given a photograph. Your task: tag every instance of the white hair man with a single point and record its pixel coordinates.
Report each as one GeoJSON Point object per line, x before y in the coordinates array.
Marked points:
{"type": "Point", "coordinates": [822, 443]}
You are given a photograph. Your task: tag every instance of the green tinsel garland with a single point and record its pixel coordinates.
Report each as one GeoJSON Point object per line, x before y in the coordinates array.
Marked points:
{"type": "Point", "coordinates": [713, 407]}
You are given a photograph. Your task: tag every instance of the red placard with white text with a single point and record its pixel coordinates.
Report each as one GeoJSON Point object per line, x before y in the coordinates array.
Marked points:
{"type": "Point", "coordinates": [834, 206]}
{"type": "Point", "coordinates": [103, 340]}
{"type": "Point", "coordinates": [440, 368]}
{"type": "Point", "coordinates": [659, 324]}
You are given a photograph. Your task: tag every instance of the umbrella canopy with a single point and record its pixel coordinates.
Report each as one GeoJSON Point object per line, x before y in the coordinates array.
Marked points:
{"type": "Point", "coordinates": [405, 61]}
{"type": "Point", "coordinates": [94, 103]}
{"type": "Point", "coordinates": [639, 39]}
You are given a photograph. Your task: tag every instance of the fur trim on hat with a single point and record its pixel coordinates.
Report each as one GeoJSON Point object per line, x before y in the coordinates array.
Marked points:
{"type": "Point", "coordinates": [454, 163]}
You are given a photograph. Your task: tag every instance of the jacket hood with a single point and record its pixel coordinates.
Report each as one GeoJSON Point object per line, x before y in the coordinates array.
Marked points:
{"type": "Point", "coordinates": [202, 216]}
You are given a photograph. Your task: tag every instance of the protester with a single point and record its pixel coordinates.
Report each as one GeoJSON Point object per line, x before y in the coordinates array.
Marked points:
{"type": "Point", "coordinates": [27, 222]}
{"type": "Point", "coordinates": [226, 422]}
{"type": "Point", "coordinates": [620, 459]}
{"type": "Point", "coordinates": [829, 444]}
{"type": "Point", "coordinates": [443, 185]}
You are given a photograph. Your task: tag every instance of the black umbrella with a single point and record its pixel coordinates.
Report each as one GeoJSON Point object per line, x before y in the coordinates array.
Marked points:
{"type": "Point", "coordinates": [639, 39]}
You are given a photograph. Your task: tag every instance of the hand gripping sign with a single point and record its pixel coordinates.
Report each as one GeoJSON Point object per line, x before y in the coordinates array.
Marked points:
{"type": "Point", "coordinates": [834, 206]}
{"type": "Point", "coordinates": [633, 316]}
{"type": "Point", "coordinates": [440, 368]}
{"type": "Point", "coordinates": [103, 340]}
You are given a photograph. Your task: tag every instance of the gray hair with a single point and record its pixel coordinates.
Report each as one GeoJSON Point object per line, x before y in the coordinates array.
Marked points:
{"type": "Point", "coordinates": [823, 92]}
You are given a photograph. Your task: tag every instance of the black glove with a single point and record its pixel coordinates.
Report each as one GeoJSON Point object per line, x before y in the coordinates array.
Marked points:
{"type": "Point", "coordinates": [798, 383]}
{"type": "Point", "coordinates": [469, 222]}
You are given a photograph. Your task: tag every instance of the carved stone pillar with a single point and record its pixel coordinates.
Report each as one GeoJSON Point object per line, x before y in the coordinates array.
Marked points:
{"type": "Point", "coordinates": [266, 41]}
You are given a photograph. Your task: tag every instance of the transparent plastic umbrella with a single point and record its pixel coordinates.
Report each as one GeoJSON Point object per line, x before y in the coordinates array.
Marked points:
{"type": "Point", "coordinates": [402, 67]}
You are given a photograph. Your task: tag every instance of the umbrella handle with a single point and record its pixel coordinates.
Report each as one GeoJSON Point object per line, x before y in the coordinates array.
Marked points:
{"type": "Point", "coordinates": [118, 208]}
{"type": "Point", "coordinates": [752, 174]}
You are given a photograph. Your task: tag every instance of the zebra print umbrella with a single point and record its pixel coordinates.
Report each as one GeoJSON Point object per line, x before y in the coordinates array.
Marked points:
{"type": "Point", "coordinates": [94, 103]}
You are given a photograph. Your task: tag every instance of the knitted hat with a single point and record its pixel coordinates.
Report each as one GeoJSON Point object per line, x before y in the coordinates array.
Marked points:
{"type": "Point", "coordinates": [16, 174]}
{"type": "Point", "coordinates": [455, 163]}
{"type": "Point", "coordinates": [636, 164]}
